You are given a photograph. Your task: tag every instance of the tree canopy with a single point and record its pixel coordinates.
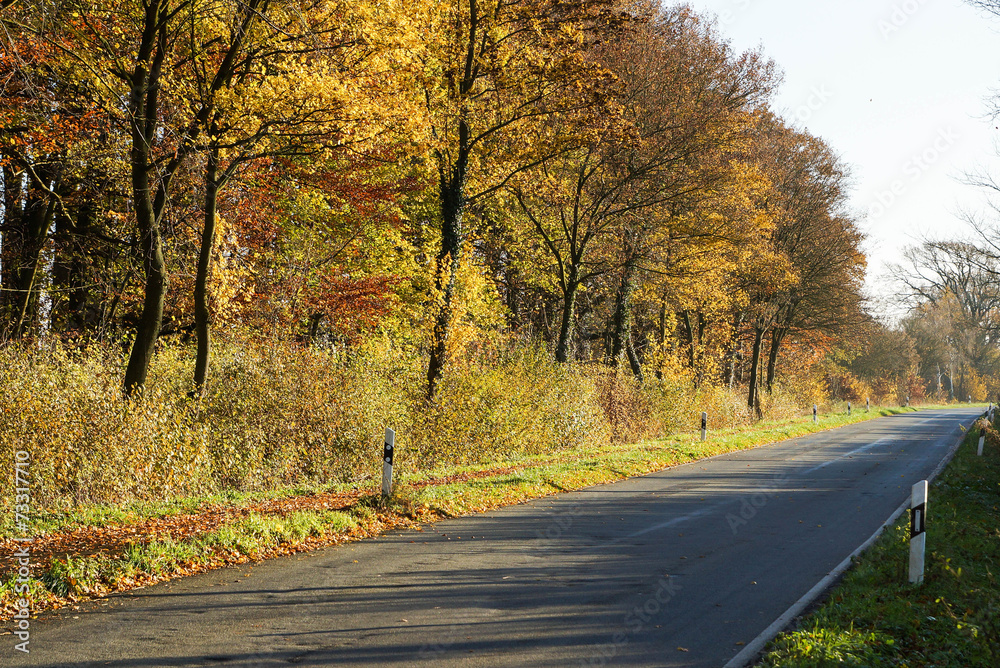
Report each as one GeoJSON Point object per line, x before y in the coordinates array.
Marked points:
{"type": "Point", "coordinates": [605, 176]}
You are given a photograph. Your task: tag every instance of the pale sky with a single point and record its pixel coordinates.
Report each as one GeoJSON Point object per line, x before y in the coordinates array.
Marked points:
{"type": "Point", "coordinates": [898, 88]}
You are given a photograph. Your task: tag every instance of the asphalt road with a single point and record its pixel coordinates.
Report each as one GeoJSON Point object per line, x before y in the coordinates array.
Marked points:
{"type": "Point", "coordinates": [678, 568]}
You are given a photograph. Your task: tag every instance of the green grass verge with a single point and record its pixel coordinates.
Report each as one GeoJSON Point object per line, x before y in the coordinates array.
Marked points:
{"type": "Point", "coordinates": [876, 619]}
{"type": "Point", "coordinates": [255, 535]}
{"type": "Point", "coordinates": [248, 537]}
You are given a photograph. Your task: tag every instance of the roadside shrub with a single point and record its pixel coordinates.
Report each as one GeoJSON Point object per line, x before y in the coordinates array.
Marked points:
{"type": "Point", "coordinates": [273, 415]}
{"type": "Point", "coordinates": [518, 402]}
{"type": "Point", "coordinates": [278, 415]}
{"type": "Point", "coordinates": [86, 443]}
{"type": "Point", "coordinates": [628, 407]}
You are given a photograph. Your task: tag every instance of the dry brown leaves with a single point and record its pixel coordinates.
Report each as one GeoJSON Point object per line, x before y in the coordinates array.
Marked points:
{"type": "Point", "coordinates": [114, 540]}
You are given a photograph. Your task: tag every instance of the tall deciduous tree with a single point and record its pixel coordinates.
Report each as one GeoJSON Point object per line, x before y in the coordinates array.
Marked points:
{"type": "Point", "coordinates": [494, 67]}
{"type": "Point", "coordinates": [819, 240]}
{"type": "Point", "coordinates": [268, 80]}
{"type": "Point", "coordinates": [683, 107]}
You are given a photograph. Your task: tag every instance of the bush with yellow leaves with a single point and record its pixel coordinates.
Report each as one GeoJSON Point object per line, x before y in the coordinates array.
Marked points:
{"type": "Point", "coordinates": [276, 415]}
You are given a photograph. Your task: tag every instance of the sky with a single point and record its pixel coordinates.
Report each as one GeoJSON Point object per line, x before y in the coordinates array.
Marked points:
{"type": "Point", "coordinates": [899, 89]}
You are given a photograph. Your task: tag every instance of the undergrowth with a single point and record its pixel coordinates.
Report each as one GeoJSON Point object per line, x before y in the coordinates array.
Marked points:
{"type": "Point", "coordinates": [277, 415]}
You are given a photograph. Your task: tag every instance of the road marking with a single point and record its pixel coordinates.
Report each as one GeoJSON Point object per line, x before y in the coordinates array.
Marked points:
{"type": "Point", "coordinates": [753, 648]}
{"type": "Point", "coordinates": [677, 520]}
{"type": "Point", "coordinates": [849, 454]}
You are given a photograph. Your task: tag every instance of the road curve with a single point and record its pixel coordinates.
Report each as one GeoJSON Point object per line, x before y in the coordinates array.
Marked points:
{"type": "Point", "coordinates": [678, 568]}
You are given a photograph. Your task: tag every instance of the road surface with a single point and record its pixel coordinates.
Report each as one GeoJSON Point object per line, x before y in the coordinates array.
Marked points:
{"type": "Point", "coordinates": [679, 568]}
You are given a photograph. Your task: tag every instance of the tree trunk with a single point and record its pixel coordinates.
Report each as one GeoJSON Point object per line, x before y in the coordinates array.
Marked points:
{"type": "Point", "coordinates": [314, 321]}
{"type": "Point", "coordinates": [76, 304]}
{"type": "Point", "coordinates": [633, 360]}
{"type": "Point", "coordinates": [661, 332]}
{"type": "Point", "coordinates": [452, 193]}
{"type": "Point", "coordinates": [697, 351]}
{"type": "Point", "coordinates": [621, 323]}
{"type": "Point", "coordinates": [689, 335]}
{"type": "Point", "coordinates": [142, 108]}
{"type": "Point", "coordinates": [753, 400]}
{"type": "Point", "coordinates": [661, 337]}
{"type": "Point", "coordinates": [27, 229]}
{"type": "Point", "coordinates": [734, 351]}
{"type": "Point", "coordinates": [202, 313]}
{"type": "Point", "coordinates": [568, 313]}
{"type": "Point", "coordinates": [777, 338]}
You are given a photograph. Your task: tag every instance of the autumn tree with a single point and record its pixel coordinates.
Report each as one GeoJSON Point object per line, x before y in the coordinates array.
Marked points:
{"type": "Point", "coordinates": [819, 240]}
{"type": "Point", "coordinates": [56, 172]}
{"type": "Point", "coordinates": [611, 204]}
{"type": "Point", "coordinates": [494, 69]}
{"type": "Point", "coordinates": [210, 85]}
{"type": "Point", "coordinates": [954, 284]}
{"type": "Point", "coordinates": [886, 360]}
{"type": "Point", "coordinates": [266, 80]}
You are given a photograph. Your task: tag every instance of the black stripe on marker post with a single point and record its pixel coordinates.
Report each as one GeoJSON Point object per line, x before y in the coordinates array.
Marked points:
{"type": "Point", "coordinates": [918, 520]}
{"type": "Point", "coordinates": [918, 534]}
{"type": "Point", "coordinates": [387, 454]}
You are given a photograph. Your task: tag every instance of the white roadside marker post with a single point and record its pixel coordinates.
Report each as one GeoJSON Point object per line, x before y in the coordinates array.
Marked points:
{"type": "Point", "coordinates": [704, 426]}
{"type": "Point", "coordinates": [982, 441]}
{"type": "Point", "coordinates": [868, 405]}
{"type": "Point", "coordinates": [815, 418]}
{"type": "Point", "coordinates": [918, 529]}
{"type": "Point", "coordinates": [848, 408]}
{"type": "Point", "coordinates": [387, 452]}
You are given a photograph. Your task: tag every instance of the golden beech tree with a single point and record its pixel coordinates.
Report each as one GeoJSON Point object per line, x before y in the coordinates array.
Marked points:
{"type": "Point", "coordinates": [267, 79]}
{"type": "Point", "coordinates": [619, 201]}
{"type": "Point", "coordinates": [221, 83]}
{"type": "Point", "coordinates": [817, 238]}
{"type": "Point", "coordinates": [494, 70]}
{"type": "Point", "coordinates": [693, 284]}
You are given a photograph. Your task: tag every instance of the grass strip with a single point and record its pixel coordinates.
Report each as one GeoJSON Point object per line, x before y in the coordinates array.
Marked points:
{"type": "Point", "coordinates": [66, 580]}
{"type": "Point", "coordinates": [875, 618]}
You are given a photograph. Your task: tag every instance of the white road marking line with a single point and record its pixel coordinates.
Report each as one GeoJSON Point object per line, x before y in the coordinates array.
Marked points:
{"type": "Point", "coordinates": [677, 520]}
{"type": "Point", "coordinates": [752, 649]}
{"type": "Point", "coordinates": [853, 452]}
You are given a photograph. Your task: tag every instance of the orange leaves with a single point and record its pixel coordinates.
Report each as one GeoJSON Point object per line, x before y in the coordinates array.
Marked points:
{"type": "Point", "coordinates": [351, 306]}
